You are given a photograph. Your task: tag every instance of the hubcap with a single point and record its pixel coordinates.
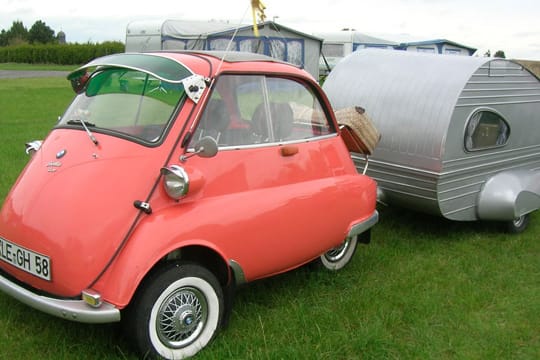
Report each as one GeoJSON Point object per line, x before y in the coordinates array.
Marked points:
{"type": "Point", "coordinates": [519, 221]}
{"type": "Point", "coordinates": [182, 317]}
{"type": "Point", "coordinates": [337, 253]}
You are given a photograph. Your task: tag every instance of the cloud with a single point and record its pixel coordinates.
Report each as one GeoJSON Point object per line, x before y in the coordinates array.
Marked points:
{"type": "Point", "coordinates": [480, 23]}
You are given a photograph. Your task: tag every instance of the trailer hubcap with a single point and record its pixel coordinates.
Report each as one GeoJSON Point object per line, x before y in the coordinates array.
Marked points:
{"type": "Point", "coordinates": [519, 221]}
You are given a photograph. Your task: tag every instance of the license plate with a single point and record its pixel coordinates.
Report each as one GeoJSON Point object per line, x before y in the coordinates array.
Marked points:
{"type": "Point", "coordinates": [24, 259]}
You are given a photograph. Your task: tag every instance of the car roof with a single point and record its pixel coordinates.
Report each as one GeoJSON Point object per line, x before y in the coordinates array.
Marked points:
{"type": "Point", "coordinates": [232, 56]}
{"type": "Point", "coordinates": [230, 61]}
{"type": "Point", "coordinates": [177, 65]}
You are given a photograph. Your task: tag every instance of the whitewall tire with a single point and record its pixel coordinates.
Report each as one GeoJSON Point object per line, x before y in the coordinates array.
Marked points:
{"type": "Point", "coordinates": [178, 312]}
{"type": "Point", "coordinates": [338, 257]}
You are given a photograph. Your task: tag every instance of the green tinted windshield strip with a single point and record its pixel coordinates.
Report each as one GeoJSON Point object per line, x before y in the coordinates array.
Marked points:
{"type": "Point", "coordinates": [162, 68]}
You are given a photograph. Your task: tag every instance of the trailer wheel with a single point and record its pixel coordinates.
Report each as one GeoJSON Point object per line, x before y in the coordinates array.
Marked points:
{"type": "Point", "coordinates": [518, 224]}
{"type": "Point", "coordinates": [177, 312]}
{"type": "Point", "coordinates": [336, 258]}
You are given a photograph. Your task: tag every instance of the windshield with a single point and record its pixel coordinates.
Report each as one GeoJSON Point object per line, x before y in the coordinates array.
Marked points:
{"type": "Point", "coordinates": [125, 101]}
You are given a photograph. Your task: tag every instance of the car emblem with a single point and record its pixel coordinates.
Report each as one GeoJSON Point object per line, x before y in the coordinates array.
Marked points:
{"type": "Point", "coordinates": [52, 165]}
{"type": "Point", "coordinates": [61, 153]}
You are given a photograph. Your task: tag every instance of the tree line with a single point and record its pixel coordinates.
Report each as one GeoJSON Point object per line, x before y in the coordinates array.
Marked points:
{"type": "Point", "coordinates": [40, 45]}
{"type": "Point", "coordinates": [18, 34]}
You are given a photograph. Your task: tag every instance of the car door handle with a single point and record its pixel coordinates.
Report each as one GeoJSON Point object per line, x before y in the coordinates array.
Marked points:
{"type": "Point", "coordinates": [288, 150]}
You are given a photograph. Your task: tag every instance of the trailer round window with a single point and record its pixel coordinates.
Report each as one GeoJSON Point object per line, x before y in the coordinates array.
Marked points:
{"type": "Point", "coordinates": [486, 129]}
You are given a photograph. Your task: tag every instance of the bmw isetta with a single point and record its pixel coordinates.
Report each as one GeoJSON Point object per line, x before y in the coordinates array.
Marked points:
{"type": "Point", "coordinates": [171, 179]}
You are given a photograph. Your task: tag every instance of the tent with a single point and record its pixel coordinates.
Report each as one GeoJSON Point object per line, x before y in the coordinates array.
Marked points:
{"type": "Point", "coordinates": [438, 46]}
{"type": "Point", "coordinates": [275, 40]}
{"type": "Point", "coordinates": [338, 44]}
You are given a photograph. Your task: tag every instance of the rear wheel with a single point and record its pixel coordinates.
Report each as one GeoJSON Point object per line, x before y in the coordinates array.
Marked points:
{"type": "Point", "coordinates": [518, 224]}
{"type": "Point", "coordinates": [336, 258]}
{"type": "Point", "coordinates": [177, 312]}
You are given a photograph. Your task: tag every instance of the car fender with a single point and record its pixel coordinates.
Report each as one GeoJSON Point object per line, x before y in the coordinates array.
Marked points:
{"type": "Point", "coordinates": [142, 253]}
{"type": "Point", "coordinates": [362, 228]}
{"type": "Point", "coordinates": [509, 195]}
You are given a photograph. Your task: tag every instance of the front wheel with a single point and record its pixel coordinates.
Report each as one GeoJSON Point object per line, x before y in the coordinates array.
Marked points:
{"type": "Point", "coordinates": [518, 225]}
{"type": "Point", "coordinates": [336, 258]}
{"type": "Point", "coordinates": [177, 312]}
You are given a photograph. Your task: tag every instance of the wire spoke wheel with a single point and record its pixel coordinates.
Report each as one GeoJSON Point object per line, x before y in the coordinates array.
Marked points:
{"type": "Point", "coordinates": [337, 253]}
{"type": "Point", "coordinates": [177, 312]}
{"type": "Point", "coordinates": [181, 317]}
{"type": "Point", "coordinates": [336, 258]}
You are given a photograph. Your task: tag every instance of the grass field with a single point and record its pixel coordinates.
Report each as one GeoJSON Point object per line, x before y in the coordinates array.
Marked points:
{"type": "Point", "coordinates": [18, 66]}
{"type": "Point", "coordinates": [425, 288]}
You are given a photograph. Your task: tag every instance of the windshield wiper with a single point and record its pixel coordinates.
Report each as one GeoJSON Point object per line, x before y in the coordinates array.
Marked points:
{"type": "Point", "coordinates": [85, 125]}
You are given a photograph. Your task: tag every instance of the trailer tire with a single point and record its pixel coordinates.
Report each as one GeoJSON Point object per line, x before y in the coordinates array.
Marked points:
{"type": "Point", "coordinates": [518, 225]}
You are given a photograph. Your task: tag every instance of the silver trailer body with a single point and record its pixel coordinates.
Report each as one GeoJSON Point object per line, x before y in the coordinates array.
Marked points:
{"type": "Point", "coordinates": [460, 135]}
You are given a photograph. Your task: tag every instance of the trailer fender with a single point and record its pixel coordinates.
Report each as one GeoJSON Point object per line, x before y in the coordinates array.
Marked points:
{"type": "Point", "coordinates": [509, 195]}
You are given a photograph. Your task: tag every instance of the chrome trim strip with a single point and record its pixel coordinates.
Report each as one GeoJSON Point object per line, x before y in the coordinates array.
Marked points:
{"type": "Point", "coordinates": [99, 62]}
{"type": "Point", "coordinates": [365, 225]}
{"type": "Point", "coordinates": [414, 195]}
{"type": "Point", "coordinates": [499, 103]}
{"type": "Point", "coordinates": [525, 88]}
{"type": "Point", "coordinates": [239, 276]}
{"type": "Point", "coordinates": [397, 165]}
{"type": "Point", "coordinates": [276, 143]}
{"type": "Point", "coordinates": [455, 211]}
{"type": "Point", "coordinates": [74, 310]}
{"type": "Point", "coordinates": [268, 144]}
{"type": "Point", "coordinates": [497, 96]}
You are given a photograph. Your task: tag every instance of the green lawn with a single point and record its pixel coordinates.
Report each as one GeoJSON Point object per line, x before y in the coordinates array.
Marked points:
{"type": "Point", "coordinates": [425, 288]}
{"type": "Point", "coordinates": [17, 66]}
{"type": "Point", "coordinates": [28, 109]}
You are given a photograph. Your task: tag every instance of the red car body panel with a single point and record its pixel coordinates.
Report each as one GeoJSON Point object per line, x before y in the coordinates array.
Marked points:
{"type": "Point", "coordinates": [266, 208]}
{"type": "Point", "coordinates": [69, 212]}
{"type": "Point", "coordinates": [267, 227]}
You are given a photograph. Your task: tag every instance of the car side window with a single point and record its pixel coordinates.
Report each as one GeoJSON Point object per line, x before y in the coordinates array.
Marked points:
{"type": "Point", "coordinates": [214, 121]}
{"type": "Point", "coordinates": [486, 129]}
{"type": "Point", "coordinates": [295, 112]}
{"type": "Point", "coordinates": [246, 110]}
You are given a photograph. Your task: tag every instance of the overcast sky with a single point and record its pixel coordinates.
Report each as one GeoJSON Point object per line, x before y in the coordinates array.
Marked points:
{"type": "Point", "coordinates": [511, 26]}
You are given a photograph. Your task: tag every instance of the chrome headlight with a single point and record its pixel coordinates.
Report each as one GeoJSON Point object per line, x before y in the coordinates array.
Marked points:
{"type": "Point", "coordinates": [175, 181]}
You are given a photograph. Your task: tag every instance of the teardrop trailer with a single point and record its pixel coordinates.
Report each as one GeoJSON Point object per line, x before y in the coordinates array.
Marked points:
{"type": "Point", "coordinates": [460, 135]}
{"type": "Point", "coordinates": [171, 179]}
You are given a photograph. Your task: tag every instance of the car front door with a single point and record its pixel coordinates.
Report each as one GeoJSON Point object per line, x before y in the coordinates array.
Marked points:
{"type": "Point", "coordinates": [276, 175]}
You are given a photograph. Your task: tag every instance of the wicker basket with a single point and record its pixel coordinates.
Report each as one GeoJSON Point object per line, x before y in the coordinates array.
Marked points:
{"type": "Point", "coordinates": [357, 130]}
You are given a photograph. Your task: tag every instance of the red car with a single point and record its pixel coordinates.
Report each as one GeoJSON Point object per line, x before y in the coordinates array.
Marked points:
{"type": "Point", "coordinates": [171, 179]}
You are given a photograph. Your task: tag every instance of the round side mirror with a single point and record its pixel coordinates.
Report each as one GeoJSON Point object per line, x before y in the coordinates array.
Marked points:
{"type": "Point", "coordinates": [206, 147]}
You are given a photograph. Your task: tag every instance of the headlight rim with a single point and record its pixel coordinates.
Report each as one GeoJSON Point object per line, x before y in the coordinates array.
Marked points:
{"type": "Point", "coordinates": [178, 172]}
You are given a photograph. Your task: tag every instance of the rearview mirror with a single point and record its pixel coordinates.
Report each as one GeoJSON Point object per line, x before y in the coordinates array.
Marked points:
{"type": "Point", "coordinates": [206, 147]}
